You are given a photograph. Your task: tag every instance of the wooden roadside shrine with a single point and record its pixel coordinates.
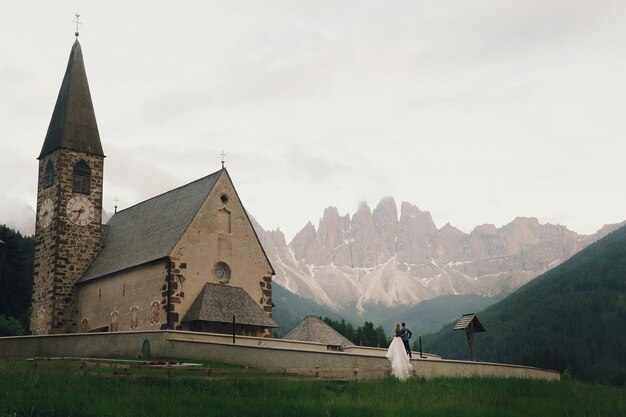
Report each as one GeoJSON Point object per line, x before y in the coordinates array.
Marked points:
{"type": "Point", "coordinates": [471, 324]}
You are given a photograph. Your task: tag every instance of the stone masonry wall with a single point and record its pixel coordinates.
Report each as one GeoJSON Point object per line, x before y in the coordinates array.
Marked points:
{"type": "Point", "coordinates": [63, 250]}
{"type": "Point", "coordinates": [131, 300]}
{"type": "Point", "coordinates": [174, 285]}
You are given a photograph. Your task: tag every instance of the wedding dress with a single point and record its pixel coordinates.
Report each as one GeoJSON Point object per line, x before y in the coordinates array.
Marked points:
{"type": "Point", "coordinates": [401, 366]}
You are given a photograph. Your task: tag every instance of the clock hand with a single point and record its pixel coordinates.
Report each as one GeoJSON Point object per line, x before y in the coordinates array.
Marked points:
{"type": "Point", "coordinates": [78, 213]}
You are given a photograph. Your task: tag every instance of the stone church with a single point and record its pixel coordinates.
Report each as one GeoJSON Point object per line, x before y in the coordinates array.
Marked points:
{"type": "Point", "coordinates": [188, 259]}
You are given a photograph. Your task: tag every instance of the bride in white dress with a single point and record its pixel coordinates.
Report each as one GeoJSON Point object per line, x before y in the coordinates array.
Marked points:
{"type": "Point", "coordinates": [401, 366]}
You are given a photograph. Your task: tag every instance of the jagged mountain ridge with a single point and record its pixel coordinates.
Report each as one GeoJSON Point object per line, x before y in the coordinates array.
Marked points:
{"type": "Point", "coordinates": [377, 257]}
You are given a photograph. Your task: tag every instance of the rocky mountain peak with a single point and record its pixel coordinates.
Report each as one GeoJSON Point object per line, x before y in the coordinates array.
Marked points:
{"type": "Point", "coordinates": [302, 240]}
{"type": "Point", "coordinates": [446, 228]}
{"type": "Point", "coordinates": [416, 234]}
{"type": "Point", "coordinates": [375, 258]}
{"type": "Point", "coordinates": [385, 217]}
{"type": "Point", "coordinates": [485, 229]}
{"type": "Point", "coordinates": [485, 242]}
{"type": "Point", "coordinates": [450, 244]}
{"type": "Point", "coordinates": [366, 249]}
{"type": "Point", "coordinates": [329, 236]}
{"type": "Point", "coordinates": [521, 232]}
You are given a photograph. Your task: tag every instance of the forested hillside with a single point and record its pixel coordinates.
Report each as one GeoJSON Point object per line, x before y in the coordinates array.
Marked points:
{"type": "Point", "coordinates": [571, 317]}
{"type": "Point", "coordinates": [290, 308]}
{"type": "Point", "coordinates": [16, 281]}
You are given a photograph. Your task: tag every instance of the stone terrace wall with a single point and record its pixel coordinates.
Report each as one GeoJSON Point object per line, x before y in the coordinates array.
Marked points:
{"type": "Point", "coordinates": [262, 353]}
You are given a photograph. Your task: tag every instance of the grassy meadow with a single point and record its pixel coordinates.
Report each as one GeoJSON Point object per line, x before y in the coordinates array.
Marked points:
{"type": "Point", "coordinates": [67, 391]}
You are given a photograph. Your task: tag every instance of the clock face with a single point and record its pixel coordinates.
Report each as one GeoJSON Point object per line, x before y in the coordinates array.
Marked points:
{"type": "Point", "coordinates": [221, 272]}
{"type": "Point", "coordinates": [80, 210]}
{"type": "Point", "coordinates": [46, 211]}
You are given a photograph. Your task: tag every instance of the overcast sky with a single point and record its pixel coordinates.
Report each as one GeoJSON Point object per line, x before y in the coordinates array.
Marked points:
{"type": "Point", "coordinates": [477, 111]}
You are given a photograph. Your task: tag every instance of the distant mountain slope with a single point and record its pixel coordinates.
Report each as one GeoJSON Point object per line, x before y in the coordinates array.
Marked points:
{"type": "Point", "coordinates": [572, 317]}
{"type": "Point", "coordinates": [423, 318]}
{"type": "Point", "coordinates": [291, 308]}
{"type": "Point", "coordinates": [431, 315]}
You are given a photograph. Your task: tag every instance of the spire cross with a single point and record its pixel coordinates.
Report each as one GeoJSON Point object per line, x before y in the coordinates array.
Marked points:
{"type": "Point", "coordinates": [77, 23]}
{"type": "Point", "coordinates": [223, 156]}
{"type": "Point", "coordinates": [116, 201]}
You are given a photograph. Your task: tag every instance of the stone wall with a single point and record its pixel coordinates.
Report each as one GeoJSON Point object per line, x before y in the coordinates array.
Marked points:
{"type": "Point", "coordinates": [63, 250]}
{"type": "Point", "coordinates": [261, 353]}
{"type": "Point", "coordinates": [371, 351]}
{"type": "Point", "coordinates": [132, 300]}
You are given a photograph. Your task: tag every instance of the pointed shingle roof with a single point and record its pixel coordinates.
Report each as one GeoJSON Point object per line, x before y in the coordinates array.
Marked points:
{"type": "Point", "coordinates": [150, 230]}
{"type": "Point", "coordinates": [314, 329]}
{"type": "Point", "coordinates": [73, 123]}
{"type": "Point", "coordinates": [219, 303]}
{"type": "Point", "coordinates": [469, 322]}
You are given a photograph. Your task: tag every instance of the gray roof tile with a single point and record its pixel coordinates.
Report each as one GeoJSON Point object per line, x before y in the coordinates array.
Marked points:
{"type": "Point", "coordinates": [73, 123]}
{"type": "Point", "coordinates": [150, 230]}
{"type": "Point", "coordinates": [219, 303]}
{"type": "Point", "coordinates": [314, 329]}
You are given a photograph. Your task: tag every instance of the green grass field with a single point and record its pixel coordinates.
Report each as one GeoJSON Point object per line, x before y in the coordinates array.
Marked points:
{"type": "Point", "coordinates": [70, 390]}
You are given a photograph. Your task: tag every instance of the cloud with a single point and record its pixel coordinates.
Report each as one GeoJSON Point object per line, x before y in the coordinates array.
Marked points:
{"type": "Point", "coordinates": [18, 215]}
{"type": "Point", "coordinates": [167, 107]}
{"type": "Point", "coordinates": [470, 109]}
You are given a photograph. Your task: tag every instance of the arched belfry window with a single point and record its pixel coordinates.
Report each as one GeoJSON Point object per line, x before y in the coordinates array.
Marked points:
{"type": "Point", "coordinates": [81, 182]}
{"type": "Point", "coordinates": [48, 175]}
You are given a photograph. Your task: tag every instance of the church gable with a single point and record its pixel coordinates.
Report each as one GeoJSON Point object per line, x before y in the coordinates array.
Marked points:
{"type": "Point", "coordinates": [221, 227]}
{"type": "Point", "coordinates": [220, 246]}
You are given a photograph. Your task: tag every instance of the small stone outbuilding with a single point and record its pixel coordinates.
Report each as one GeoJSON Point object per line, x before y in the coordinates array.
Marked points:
{"type": "Point", "coordinates": [314, 329]}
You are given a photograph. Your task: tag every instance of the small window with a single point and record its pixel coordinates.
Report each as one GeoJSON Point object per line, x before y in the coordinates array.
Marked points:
{"type": "Point", "coordinates": [82, 178]}
{"type": "Point", "coordinates": [224, 198]}
{"type": "Point", "coordinates": [48, 175]}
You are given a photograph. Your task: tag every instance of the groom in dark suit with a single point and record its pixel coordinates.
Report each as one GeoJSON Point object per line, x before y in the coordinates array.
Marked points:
{"type": "Point", "coordinates": [406, 334]}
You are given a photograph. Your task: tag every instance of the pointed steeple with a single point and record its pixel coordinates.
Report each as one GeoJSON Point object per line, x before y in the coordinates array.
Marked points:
{"type": "Point", "coordinates": [73, 124]}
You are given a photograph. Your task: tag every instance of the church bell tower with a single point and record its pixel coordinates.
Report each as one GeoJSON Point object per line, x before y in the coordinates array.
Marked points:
{"type": "Point", "coordinates": [69, 203]}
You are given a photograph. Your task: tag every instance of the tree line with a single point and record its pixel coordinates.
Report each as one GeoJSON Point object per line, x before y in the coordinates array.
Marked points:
{"type": "Point", "coordinates": [365, 335]}
{"type": "Point", "coordinates": [16, 281]}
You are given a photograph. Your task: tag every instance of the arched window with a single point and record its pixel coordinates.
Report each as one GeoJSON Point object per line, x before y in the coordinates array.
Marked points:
{"type": "Point", "coordinates": [82, 178]}
{"type": "Point", "coordinates": [48, 175]}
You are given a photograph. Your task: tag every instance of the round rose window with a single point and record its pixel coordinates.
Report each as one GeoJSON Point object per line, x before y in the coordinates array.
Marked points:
{"type": "Point", "coordinates": [221, 272]}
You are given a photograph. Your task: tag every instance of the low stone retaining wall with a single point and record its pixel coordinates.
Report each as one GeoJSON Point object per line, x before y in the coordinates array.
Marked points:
{"type": "Point", "coordinates": [371, 351]}
{"type": "Point", "coordinates": [268, 354]}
